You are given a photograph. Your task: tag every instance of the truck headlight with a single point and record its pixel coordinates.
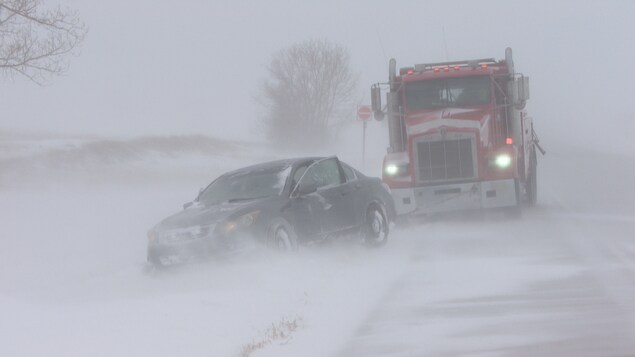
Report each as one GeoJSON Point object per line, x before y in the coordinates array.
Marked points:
{"type": "Point", "coordinates": [391, 169]}
{"type": "Point", "coordinates": [396, 170]}
{"type": "Point", "coordinates": [503, 161]}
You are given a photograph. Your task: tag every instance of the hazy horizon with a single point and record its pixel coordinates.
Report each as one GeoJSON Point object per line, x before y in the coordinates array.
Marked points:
{"type": "Point", "coordinates": [152, 68]}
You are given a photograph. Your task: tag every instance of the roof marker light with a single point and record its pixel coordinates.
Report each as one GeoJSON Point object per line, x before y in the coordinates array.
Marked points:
{"type": "Point", "coordinates": [509, 141]}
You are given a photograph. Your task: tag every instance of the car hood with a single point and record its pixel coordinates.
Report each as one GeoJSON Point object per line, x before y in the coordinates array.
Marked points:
{"type": "Point", "coordinates": [199, 214]}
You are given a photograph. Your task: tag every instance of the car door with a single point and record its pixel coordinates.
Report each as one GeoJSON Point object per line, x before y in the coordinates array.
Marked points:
{"type": "Point", "coordinates": [337, 209]}
{"type": "Point", "coordinates": [357, 193]}
{"type": "Point", "coordinates": [304, 210]}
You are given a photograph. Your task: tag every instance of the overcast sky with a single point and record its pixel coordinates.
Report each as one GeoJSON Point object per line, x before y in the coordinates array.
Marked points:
{"type": "Point", "coordinates": [162, 67]}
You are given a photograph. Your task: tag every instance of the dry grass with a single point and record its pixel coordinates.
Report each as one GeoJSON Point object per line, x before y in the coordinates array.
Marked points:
{"type": "Point", "coordinates": [279, 332]}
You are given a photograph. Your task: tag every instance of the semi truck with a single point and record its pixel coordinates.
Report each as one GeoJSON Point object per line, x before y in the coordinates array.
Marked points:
{"type": "Point", "coordinates": [460, 137]}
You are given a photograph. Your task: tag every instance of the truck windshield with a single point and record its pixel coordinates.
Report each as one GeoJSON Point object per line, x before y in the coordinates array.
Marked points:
{"type": "Point", "coordinates": [448, 92]}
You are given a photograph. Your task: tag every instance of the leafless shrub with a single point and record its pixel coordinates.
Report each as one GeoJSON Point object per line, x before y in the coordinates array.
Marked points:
{"type": "Point", "coordinates": [308, 92]}
{"type": "Point", "coordinates": [278, 332]}
{"type": "Point", "coordinates": [35, 42]}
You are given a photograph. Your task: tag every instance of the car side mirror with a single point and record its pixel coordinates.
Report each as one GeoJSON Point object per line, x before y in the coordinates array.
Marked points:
{"type": "Point", "coordinates": [305, 188]}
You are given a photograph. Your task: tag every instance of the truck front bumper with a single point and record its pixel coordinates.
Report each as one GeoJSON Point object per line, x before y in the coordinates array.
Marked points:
{"type": "Point", "coordinates": [456, 197]}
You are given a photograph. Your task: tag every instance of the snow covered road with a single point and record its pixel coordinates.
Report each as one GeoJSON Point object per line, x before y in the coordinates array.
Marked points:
{"type": "Point", "coordinates": [559, 281]}
{"type": "Point", "coordinates": [477, 289]}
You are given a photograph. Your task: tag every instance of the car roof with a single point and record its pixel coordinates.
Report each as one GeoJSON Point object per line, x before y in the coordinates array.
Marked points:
{"type": "Point", "coordinates": [276, 165]}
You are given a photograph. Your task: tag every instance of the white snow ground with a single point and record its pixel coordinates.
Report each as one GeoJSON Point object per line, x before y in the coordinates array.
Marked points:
{"type": "Point", "coordinates": [73, 278]}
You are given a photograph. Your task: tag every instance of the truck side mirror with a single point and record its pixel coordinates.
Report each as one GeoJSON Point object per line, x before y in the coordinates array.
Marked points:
{"type": "Point", "coordinates": [523, 88]}
{"type": "Point", "coordinates": [520, 90]}
{"type": "Point", "coordinates": [375, 101]}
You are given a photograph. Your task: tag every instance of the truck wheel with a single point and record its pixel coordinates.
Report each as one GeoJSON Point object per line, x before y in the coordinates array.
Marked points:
{"type": "Point", "coordinates": [515, 211]}
{"type": "Point", "coordinates": [375, 228]}
{"type": "Point", "coordinates": [532, 182]}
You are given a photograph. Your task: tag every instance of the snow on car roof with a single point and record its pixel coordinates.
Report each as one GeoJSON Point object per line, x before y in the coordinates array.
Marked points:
{"type": "Point", "coordinates": [270, 166]}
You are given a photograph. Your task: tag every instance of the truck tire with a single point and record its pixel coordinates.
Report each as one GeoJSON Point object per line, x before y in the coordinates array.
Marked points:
{"type": "Point", "coordinates": [515, 211]}
{"type": "Point", "coordinates": [531, 186]}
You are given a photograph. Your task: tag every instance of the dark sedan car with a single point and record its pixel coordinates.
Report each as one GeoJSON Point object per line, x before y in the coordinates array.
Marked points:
{"type": "Point", "coordinates": [279, 204]}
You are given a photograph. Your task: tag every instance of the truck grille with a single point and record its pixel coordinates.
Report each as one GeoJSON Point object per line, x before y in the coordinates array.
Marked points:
{"type": "Point", "coordinates": [445, 160]}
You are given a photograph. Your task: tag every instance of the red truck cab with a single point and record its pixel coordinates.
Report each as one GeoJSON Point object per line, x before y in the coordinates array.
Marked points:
{"type": "Point", "coordinates": [460, 137]}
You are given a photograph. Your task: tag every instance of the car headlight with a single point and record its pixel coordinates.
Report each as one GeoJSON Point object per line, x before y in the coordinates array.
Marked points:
{"type": "Point", "coordinates": [245, 220]}
{"type": "Point", "coordinates": [503, 161]}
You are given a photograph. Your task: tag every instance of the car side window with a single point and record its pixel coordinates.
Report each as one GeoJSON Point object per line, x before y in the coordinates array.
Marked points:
{"type": "Point", "coordinates": [323, 173]}
{"type": "Point", "coordinates": [348, 172]}
{"type": "Point", "coordinates": [297, 175]}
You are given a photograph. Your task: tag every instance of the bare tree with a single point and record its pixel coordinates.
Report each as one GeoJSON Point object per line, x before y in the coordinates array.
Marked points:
{"type": "Point", "coordinates": [35, 42]}
{"type": "Point", "coordinates": [307, 93]}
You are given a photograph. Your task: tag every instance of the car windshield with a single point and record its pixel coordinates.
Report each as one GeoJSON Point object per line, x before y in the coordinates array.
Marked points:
{"type": "Point", "coordinates": [448, 92]}
{"type": "Point", "coordinates": [246, 185]}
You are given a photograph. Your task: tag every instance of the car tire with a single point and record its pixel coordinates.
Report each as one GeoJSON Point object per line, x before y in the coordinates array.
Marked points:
{"type": "Point", "coordinates": [376, 227]}
{"type": "Point", "coordinates": [281, 236]}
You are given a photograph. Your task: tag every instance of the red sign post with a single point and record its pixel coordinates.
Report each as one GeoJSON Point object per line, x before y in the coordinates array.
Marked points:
{"type": "Point", "coordinates": [364, 112]}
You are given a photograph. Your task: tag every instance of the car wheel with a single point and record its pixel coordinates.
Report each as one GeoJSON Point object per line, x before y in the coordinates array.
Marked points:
{"type": "Point", "coordinates": [282, 237]}
{"type": "Point", "coordinates": [375, 228]}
